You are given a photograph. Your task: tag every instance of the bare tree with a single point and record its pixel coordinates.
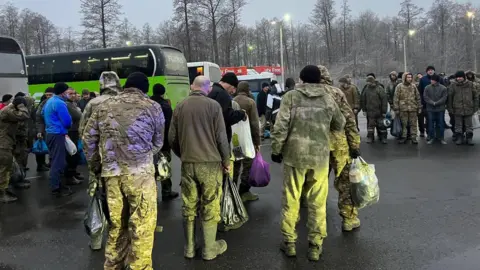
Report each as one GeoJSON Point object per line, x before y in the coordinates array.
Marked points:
{"type": "Point", "coordinates": [345, 14]}
{"type": "Point", "coordinates": [182, 8]}
{"type": "Point", "coordinates": [147, 34]}
{"type": "Point", "coordinates": [99, 19]}
{"type": "Point", "coordinates": [10, 19]}
{"type": "Point", "coordinates": [323, 15]}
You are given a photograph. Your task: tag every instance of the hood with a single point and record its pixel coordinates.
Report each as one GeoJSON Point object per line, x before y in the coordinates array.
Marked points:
{"type": "Point", "coordinates": [404, 78]}
{"type": "Point", "coordinates": [311, 89]}
{"type": "Point", "coordinates": [110, 83]}
{"type": "Point", "coordinates": [325, 78]}
{"type": "Point", "coordinates": [470, 73]}
{"type": "Point", "coordinates": [394, 73]}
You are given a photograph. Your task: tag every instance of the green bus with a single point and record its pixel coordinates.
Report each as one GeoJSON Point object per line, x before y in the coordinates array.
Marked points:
{"type": "Point", "coordinates": [81, 70]}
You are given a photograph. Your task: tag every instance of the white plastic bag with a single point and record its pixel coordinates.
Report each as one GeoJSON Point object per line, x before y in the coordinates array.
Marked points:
{"type": "Point", "coordinates": [242, 144]}
{"type": "Point", "coordinates": [70, 146]}
{"type": "Point", "coordinates": [476, 121]}
{"type": "Point", "coordinates": [364, 183]}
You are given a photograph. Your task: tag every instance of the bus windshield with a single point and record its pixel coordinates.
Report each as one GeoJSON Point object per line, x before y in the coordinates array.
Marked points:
{"type": "Point", "coordinates": [175, 62]}
{"type": "Point", "coordinates": [11, 57]}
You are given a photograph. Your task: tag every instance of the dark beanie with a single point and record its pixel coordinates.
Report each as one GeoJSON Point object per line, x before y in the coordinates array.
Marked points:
{"type": "Point", "coordinates": [435, 77]}
{"type": "Point", "coordinates": [50, 90]}
{"type": "Point", "coordinates": [158, 89]}
{"type": "Point", "coordinates": [60, 88]}
{"type": "Point", "coordinates": [310, 74]}
{"type": "Point", "coordinates": [6, 98]}
{"type": "Point", "coordinates": [230, 78]}
{"type": "Point", "coordinates": [20, 94]}
{"type": "Point", "coordinates": [430, 68]}
{"type": "Point", "coordinates": [138, 80]}
{"type": "Point", "coordinates": [461, 74]}
{"type": "Point", "coordinates": [371, 75]}
{"type": "Point", "coordinates": [265, 85]}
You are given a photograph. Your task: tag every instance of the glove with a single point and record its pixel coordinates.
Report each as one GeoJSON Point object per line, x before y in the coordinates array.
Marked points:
{"type": "Point", "coordinates": [19, 100]}
{"type": "Point", "coordinates": [277, 158]}
{"type": "Point", "coordinates": [355, 153]}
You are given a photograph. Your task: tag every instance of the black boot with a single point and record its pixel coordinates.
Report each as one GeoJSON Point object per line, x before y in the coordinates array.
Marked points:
{"type": "Point", "coordinates": [7, 197]}
{"type": "Point", "coordinates": [458, 138]}
{"type": "Point", "coordinates": [470, 139]}
{"type": "Point", "coordinates": [370, 137]}
{"type": "Point", "coordinates": [167, 193]}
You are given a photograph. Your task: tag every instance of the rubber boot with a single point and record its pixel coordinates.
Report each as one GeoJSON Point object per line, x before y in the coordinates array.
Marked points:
{"type": "Point", "coordinates": [458, 138]}
{"type": "Point", "coordinates": [249, 197]}
{"type": "Point", "coordinates": [189, 232]}
{"type": "Point", "coordinates": [212, 248]}
{"type": "Point", "coordinates": [167, 193]}
{"type": "Point", "coordinates": [470, 139]}
{"type": "Point", "coordinates": [314, 252]}
{"type": "Point", "coordinates": [289, 249]}
{"type": "Point", "coordinates": [370, 137]}
{"type": "Point", "coordinates": [414, 140]}
{"type": "Point", "coordinates": [6, 197]}
{"type": "Point", "coordinates": [350, 224]}
{"type": "Point", "coordinates": [349, 215]}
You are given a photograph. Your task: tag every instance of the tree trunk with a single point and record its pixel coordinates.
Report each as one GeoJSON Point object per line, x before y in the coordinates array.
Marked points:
{"type": "Point", "coordinates": [187, 30]}
{"type": "Point", "coordinates": [104, 31]}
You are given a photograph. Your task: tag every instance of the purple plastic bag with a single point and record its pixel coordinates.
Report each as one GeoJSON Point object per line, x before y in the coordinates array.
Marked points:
{"type": "Point", "coordinates": [259, 173]}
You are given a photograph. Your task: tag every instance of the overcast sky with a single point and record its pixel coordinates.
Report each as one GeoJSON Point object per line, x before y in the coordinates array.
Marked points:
{"type": "Point", "coordinates": [65, 13]}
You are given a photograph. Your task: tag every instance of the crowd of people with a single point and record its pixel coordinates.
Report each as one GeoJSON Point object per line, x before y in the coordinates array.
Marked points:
{"type": "Point", "coordinates": [124, 133]}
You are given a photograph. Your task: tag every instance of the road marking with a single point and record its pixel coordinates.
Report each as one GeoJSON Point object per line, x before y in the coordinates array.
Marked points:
{"type": "Point", "coordinates": [32, 177]}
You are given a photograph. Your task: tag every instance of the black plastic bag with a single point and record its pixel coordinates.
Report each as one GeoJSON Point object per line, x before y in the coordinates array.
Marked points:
{"type": "Point", "coordinates": [233, 212]}
{"type": "Point", "coordinates": [396, 129]}
{"type": "Point", "coordinates": [18, 175]}
{"type": "Point", "coordinates": [94, 220]}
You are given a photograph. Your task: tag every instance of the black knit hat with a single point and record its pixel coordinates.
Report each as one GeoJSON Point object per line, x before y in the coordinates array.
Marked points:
{"type": "Point", "coordinates": [20, 94]}
{"type": "Point", "coordinates": [265, 85]}
{"type": "Point", "coordinates": [435, 77]}
{"type": "Point", "coordinates": [230, 78]}
{"type": "Point", "coordinates": [50, 90]}
{"type": "Point", "coordinates": [460, 74]}
{"type": "Point", "coordinates": [6, 98]}
{"type": "Point", "coordinates": [138, 80]}
{"type": "Point", "coordinates": [371, 74]}
{"type": "Point", "coordinates": [310, 74]}
{"type": "Point", "coordinates": [430, 68]}
{"type": "Point", "coordinates": [158, 89]}
{"type": "Point", "coordinates": [60, 88]}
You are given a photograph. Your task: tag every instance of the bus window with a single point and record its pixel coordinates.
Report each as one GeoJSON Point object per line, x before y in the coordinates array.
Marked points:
{"type": "Point", "coordinates": [194, 72]}
{"type": "Point", "coordinates": [175, 63]}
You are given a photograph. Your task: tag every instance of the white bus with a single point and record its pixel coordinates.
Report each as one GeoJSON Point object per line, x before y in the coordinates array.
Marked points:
{"type": "Point", "coordinates": [13, 71]}
{"type": "Point", "coordinates": [207, 69]}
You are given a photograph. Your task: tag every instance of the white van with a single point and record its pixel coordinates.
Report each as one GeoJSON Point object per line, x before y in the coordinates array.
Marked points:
{"type": "Point", "coordinates": [207, 69]}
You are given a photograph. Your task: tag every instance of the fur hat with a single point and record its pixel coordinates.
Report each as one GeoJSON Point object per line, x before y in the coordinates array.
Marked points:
{"type": "Point", "coordinates": [370, 79]}
{"type": "Point", "coordinates": [343, 80]}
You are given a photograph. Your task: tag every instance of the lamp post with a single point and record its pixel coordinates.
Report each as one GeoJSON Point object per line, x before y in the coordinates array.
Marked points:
{"type": "Point", "coordinates": [286, 18]}
{"type": "Point", "coordinates": [410, 33]}
{"type": "Point", "coordinates": [471, 16]}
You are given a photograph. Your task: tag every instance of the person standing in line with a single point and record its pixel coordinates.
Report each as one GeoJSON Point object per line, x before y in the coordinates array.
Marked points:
{"type": "Point", "coordinates": [222, 92]}
{"type": "Point", "coordinates": [121, 138]}
{"type": "Point", "coordinates": [72, 176]}
{"type": "Point", "coordinates": [40, 128]}
{"type": "Point", "coordinates": [22, 138]}
{"type": "Point", "coordinates": [423, 117]}
{"type": "Point", "coordinates": [6, 99]}
{"type": "Point", "coordinates": [392, 85]}
{"type": "Point", "coordinates": [57, 123]}
{"type": "Point", "coordinates": [247, 104]}
{"type": "Point", "coordinates": [85, 99]}
{"type": "Point", "coordinates": [10, 117]}
{"type": "Point", "coordinates": [351, 93]}
{"type": "Point", "coordinates": [407, 105]}
{"type": "Point", "coordinates": [301, 140]}
{"type": "Point", "coordinates": [262, 107]}
{"type": "Point", "coordinates": [463, 103]}
{"type": "Point", "coordinates": [435, 95]}
{"type": "Point", "coordinates": [198, 137]}
{"type": "Point", "coordinates": [158, 96]}
{"type": "Point", "coordinates": [374, 104]}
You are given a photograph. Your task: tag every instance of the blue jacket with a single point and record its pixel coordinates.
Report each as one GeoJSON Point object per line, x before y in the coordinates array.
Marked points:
{"type": "Point", "coordinates": [56, 116]}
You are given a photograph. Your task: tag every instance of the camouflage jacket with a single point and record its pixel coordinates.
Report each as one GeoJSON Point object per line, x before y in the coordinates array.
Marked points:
{"type": "Point", "coordinates": [123, 134]}
{"type": "Point", "coordinates": [407, 98]}
{"type": "Point", "coordinates": [27, 128]}
{"type": "Point", "coordinates": [462, 98]}
{"type": "Point", "coordinates": [302, 130]}
{"type": "Point", "coordinates": [374, 100]}
{"type": "Point", "coordinates": [341, 142]}
{"type": "Point", "coordinates": [10, 119]}
{"type": "Point", "coordinates": [352, 96]}
{"type": "Point", "coordinates": [390, 91]}
{"type": "Point", "coordinates": [90, 108]}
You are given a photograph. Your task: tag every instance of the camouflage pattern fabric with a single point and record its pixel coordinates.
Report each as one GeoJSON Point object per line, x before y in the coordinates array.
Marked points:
{"type": "Point", "coordinates": [352, 96]}
{"type": "Point", "coordinates": [132, 203]}
{"type": "Point", "coordinates": [6, 161]}
{"type": "Point", "coordinates": [201, 191]}
{"type": "Point", "coordinates": [342, 185]}
{"type": "Point", "coordinates": [376, 122]}
{"type": "Point", "coordinates": [407, 97]}
{"type": "Point", "coordinates": [409, 119]}
{"type": "Point", "coordinates": [392, 85]}
{"type": "Point", "coordinates": [167, 183]}
{"type": "Point", "coordinates": [314, 184]}
{"type": "Point", "coordinates": [374, 100]}
{"type": "Point", "coordinates": [123, 134]}
{"type": "Point", "coordinates": [302, 129]}
{"type": "Point", "coordinates": [21, 151]}
{"type": "Point", "coordinates": [463, 124]}
{"type": "Point", "coordinates": [463, 98]}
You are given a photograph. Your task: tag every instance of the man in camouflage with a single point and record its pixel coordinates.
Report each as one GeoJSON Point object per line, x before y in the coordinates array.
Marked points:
{"type": "Point", "coordinates": [352, 95]}
{"type": "Point", "coordinates": [120, 138]}
{"type": "Point", "coordinates": [10, 118]}
{"type": "Point", "coordinates": [392, 85]}
{"type": "Point", "coordinates": [198, 136]}
{"type": "Point", "coordinates": [301, 139]}
{"type": "Point", "coordinates": [407, 104]}
{"type": "Point", "coordinates": [343, 146]}
{"type": "Point", "coordinates": [463, 104]}
{"type": "Point", "coordinates": [373, 102]}
{"type": "Point", "coordinates": [23, 136]}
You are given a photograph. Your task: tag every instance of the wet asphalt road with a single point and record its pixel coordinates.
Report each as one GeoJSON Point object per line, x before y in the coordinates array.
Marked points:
{"type": "Point", "coordinates": [427, 218]}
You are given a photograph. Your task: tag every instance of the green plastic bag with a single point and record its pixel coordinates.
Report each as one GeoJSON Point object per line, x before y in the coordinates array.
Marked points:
{"type": "Point", "coordinates": [364, 183]}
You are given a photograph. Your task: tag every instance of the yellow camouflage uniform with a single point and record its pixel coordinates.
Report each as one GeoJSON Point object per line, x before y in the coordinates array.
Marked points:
{"type": "Point", "coordinates": [302, 131]}
{"type": "Point", "coordinates": [340, 145]}
{"type": "Point", "coordinates": [120, 139]}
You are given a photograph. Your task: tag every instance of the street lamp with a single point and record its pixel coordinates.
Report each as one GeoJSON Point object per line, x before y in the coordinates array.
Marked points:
{"type": "Point", "coordinates": [471, 16]}
{"type": "Point", "coordinates": [286, 18]}
{"type": "Point", "coordinates": [129, 43]}
{"type": "Point", "coordinates": [411, 32]}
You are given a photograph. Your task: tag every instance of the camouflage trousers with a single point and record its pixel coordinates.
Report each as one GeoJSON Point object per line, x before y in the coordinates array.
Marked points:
{"type": "Point", "coordinates": [6, 161]}
{"type": "Point", "coordinates": [464, 122]}
{"type": "Point", "coordinates": [374, 121]}
{"type": "Point", "coordinates": [132, 203]}
{"type": "Point", "coordinates": [21, 151]}
{"type": "Point", "coordinates": [342, 185]}
{"type": "Point", "coordinates": [201, 191]}
{"type": "Point", "coordinates": [409, 119]}
{"type": "Point", "coordinates": [314, 184]}
{"type": "Point", "coordinates": [241, 169]}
